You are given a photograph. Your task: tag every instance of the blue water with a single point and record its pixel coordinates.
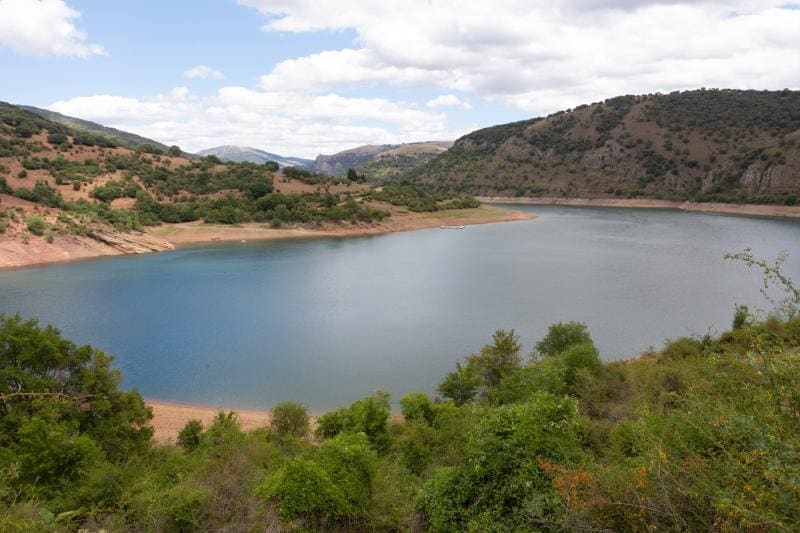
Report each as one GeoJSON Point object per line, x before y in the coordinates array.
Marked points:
{"type": "Point", "coordinates": [326, 321]}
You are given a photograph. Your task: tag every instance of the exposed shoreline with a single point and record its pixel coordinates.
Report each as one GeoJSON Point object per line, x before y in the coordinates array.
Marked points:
{"type": "Point", "coordinates": [69, 248]}
{"type": "Point", "coordinates": [170, 417]}
{"type": "Point", "coordinates": [755, 210]}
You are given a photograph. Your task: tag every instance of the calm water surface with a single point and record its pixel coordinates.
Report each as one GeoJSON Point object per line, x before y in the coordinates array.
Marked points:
{"type": "Point", "coordinates": [327, 321]}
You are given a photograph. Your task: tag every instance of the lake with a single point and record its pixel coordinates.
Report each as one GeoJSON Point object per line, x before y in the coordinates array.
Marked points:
{"type": "Point", "coordinates": [326, 321]}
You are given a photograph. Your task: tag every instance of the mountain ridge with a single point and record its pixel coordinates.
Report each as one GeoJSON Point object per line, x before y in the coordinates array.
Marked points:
{"type": "Point", "coordinates": [379, 161]}
{"type": "Point", "coordinates": [705, 145]}
{"type": "Point", "coordinates": [125, 138]}
{"type": "Point", "coordinates": [239, 154]}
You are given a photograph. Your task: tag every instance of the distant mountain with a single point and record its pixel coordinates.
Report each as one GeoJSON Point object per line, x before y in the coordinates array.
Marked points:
{"type": "Point", "coordinates": [379, 161]}
{"type": "Point", "coordinates": [239, 154]}
{"type": "Point", "coordinates": [124, 138]}
{"type": "Point", "coordinates": [337, 164]}
{"type": "Point", "coordinates": [397, 161]}
{"type": "Point", "coordinates": [703, 145]}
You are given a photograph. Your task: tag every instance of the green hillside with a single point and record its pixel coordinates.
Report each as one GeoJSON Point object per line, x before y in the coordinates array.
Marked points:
{"type": "Point", "coordinates": [394, 163]}
{"type": "Point", "coordinates": [704, 145]}
{"type": "Point", "coordinates": [123, 138]}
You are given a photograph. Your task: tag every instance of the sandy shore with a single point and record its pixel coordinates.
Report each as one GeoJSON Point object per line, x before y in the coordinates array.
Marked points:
{"type": "Point", "coordinates": [169, 418]}
{"type": "Point", "coordinates": [199, 232]}
{"type": "Point", "coordinates": [757, 210]}
{"type": "Point", "coordinates": [15, 254]}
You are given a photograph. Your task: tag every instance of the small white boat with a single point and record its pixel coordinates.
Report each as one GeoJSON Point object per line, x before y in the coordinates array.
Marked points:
{"type": "Point", "coordinates": [451, 227]}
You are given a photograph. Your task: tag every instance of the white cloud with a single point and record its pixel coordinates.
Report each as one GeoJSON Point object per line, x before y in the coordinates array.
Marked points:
{"type": "Point", "coordinates": [203, 71]}
{"type": "Point", "coordinates": [43, 27]}
{"type": "Point", "coordinates": [288, 123]}
{"type": "Point", "coordinates": [542, 56]}
{"type": "Point", "coordinates": [448, 100]}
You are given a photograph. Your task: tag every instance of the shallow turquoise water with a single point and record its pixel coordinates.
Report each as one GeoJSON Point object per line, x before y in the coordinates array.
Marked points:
{"type": "Point", "coordinates": [326, 321]}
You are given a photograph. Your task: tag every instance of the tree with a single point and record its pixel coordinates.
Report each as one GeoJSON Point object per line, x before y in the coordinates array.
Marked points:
{"type": "Point", "coordinates": [417, 406]}
{"type": "Point", "coordinates": [498, 359]}
{"type": "Point", "coordinates": [501, 485]}
{"type": "Point", "coordinates": [174, 151]}
{"type": "Point", "coordinates": [368, 415]}
{"type": "Point", "coordinates": [561, 336]}
{"type": "Point", "coordinates": [58, 398]}
{"type": "Point", "coordinates": [289, 419]}
{"type": "Point", "coordinates": [191, 435]}
{"type": "Point", "coordinates": [461, 385]}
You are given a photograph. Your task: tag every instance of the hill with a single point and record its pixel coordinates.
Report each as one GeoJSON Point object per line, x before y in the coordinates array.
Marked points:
{"type": "Point", "coordinates": [703, 145]}
{"type": "Point", "coordinates": [239, 154]}
{"type": "Point", "coordinates": [68, 194]}
{"type": "Point", "coordinates": [338, 164]}
{"type": "Point", "coordinates": [397, 161]}
{"type": "Point", "coordinates": [378, 161]}
{"type": "Point", "coordinates": [123, 138]}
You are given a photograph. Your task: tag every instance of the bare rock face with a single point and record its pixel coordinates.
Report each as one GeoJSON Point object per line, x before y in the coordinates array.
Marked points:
{"type": "Point", "coordinates": [708, 181]}
{"type": "Point", "coordinates": [129, 243]}
{"type": "Point", "coordinates": [775, 178]}
{"type": "Point", "coordinates": [609, 154]}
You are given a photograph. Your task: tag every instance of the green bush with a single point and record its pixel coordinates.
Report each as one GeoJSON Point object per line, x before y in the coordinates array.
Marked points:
{"type": "Point", "coordinates": [289, 419]}
{"type": "Point", "coordinates": [462, 384]}
{"type": "Point", "coordinates": [36, 224]}
{"type": "Point", "coordinates": [683, 348]}
{"type": "Point", "coordinates": [579, 357]}
{"type": "Point", "coordinates": [417, 406]}
{"type": "Point", "coordinates": [368, 415]}
{"type": "Point", "coordinates": [502, 485]}
{"type": "Point", "coordinates": [330, 484]}
{"type": "Point", "coordinates": [561, 336]}
{"type": "Point", "coordinates": [190, 436]}
{"type": "Point", "coordinates": [417, 446]}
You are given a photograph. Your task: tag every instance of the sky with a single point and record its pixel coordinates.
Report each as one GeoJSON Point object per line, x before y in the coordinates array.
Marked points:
{"type": "Point", "coordinates": [304, 77]}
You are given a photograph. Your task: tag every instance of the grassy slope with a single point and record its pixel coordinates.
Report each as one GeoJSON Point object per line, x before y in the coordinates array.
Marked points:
{"type": "Point", "coordinates": [720, 145]}
{"type": "Point", "coordinates": [126, 139]}
{"type": "Point", "coordinates": [398, 161]}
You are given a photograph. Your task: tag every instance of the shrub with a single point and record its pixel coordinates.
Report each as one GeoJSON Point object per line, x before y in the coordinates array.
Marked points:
{"type": "Point", "coordinates": [461, 385]}
{"type": "Point", "coordinates": [368, 415]}
{"type": "Point", "coordinates": [502, 484]}
{"type": "Point", "coordinates": [561, 336]}
{"type": "Point", "coordinates": [416, 446]}
{"type": "Point", "coordinates": [417, 406]}
{"type": "Point", "coordinates": [683, 348]}
{"type": "Point", "coordinates": [190, 435]}
{"type": "Point", "coordinates": [36, 224]}
{"type": "Point", "coordinates": [331, 484]}
{"type": "Point", "coordinates": [579, 357]}
{"type": "Point", "coordinates": [224, 429]}
{"type": "Point", "coordinates": [498, 359]}
{"type": "Point", "coordinates": [289, 419]}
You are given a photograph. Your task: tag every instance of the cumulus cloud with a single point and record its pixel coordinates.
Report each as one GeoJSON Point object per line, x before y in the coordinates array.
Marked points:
{"type": "Point", "coordinates": [292, 123]}
{"type": "Point", "coordinates": [203, 71]}
{"type": "Point", "coordinates": [448, 100]}
{"type": "Point", "coordinates": [542, 56]}
{"type": "Point", "coordinates": [43, 27]}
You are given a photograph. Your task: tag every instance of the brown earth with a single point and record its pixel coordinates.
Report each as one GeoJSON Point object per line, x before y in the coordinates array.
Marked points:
{"type": "Point", "coordinates": [33, 250]}
{"type": "Point", "coordinates": [759, 210]}
{"type": "Point", "coordinates": [401, 220]}
{"type": "Point", "coordinates": [169, 418]}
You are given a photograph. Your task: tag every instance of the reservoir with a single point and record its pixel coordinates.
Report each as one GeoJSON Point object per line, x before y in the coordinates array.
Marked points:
{"type": "Point", "coordinates": [326, 321]}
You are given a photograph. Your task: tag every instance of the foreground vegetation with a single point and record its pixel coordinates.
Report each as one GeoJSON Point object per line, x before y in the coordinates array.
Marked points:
{"type": "Point", "coordinates": [699, 436]}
